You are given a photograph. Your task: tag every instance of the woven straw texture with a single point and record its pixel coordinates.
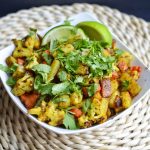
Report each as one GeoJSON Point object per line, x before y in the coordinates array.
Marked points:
{"type": "Point", "coordinates": [131, 132]}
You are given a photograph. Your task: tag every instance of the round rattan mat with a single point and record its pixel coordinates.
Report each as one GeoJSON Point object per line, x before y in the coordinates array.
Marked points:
{"type": "Point", "coordinates": [132, 131]}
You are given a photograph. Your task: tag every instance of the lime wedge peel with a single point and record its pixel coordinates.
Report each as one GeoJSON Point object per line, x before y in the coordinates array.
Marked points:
{"type": "Point", "coordinates": [96, 31]}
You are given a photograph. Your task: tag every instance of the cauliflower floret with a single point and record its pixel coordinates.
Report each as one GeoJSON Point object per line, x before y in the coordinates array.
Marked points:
{"type": "Point", "coordinates": [35, 111]}
{"type": "Point", "coordinates": [23, 85]}
{"type": "Point", "coordinates": [11, 60]}
{"type": "Point", "coordinates": [21, 51]}
{"type": "Point", "coordinates": [32, 62]}
{"type": "Point", "coordinates": [98, 109]}
{"type": "Point", "coordinates": [19, 73]}
{"type": "Point", "coordinates": [76, 98]}
{"type": "Point", "coordinates": [32, 40]}
{"type": "Point", "coordinates": [66, 103]}
{"type": "Point", "coordinates": [54, 115]}
{"type": "Point", "coordinates": [84, 121]}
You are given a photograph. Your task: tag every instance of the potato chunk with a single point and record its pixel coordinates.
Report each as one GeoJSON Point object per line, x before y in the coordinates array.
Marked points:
{"type": "Point", "coordinates": [134, 88]}
{"type": "Point", "coordinates": [126, 99]}
{"type": "Point", "coordinates": [114, 85]}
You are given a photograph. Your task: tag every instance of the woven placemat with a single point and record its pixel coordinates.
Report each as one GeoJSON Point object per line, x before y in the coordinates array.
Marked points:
{"type": "Point", "coordinates": [132, 131]}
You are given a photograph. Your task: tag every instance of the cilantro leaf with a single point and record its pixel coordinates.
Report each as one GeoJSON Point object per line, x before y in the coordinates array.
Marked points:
{"type": "Point", "coordinates": [69, 121]}
{"type": "Point", "coordinates": [81, 43]}
{"type": "Point", "coordinates": [41, 98]}
{"type": "Point", "coordinates": [73, 87]}
{"type": "Point", "coordinates": [60, 88]}
{"type": "Point", "coordinates": [53, 45]}
{"type": "Point", "coordinates": [32, 31]}
{"type": "Point", "coordinates": [62, 75]}
{"type": "Point", "coordinates": [41, 87]}
{"type": "Point", "coordinates": [92, 89]}
{"type": "Point", "coordinates": [37, 82]}
{"type": "Point", "coordinates": [11, 81]}
{"type": "Point", "coordinates": [67, 22]}
{"type": "Point", "coordinates": [60, 99]}
{"type": "Point", "coordinates": [71, 61]}
{"type": "Point", "coordinates": [79, 79]}
{"type": "Point", "coordinates": [47, 58]}
{"type": "Point", "coordinates": [44, 47]}
{"type": "Point", "coordinates": [45, 88]}
{"type": "Point", "coordinates": [119, 52]}
{"type": "Point", "coordinates": [41, 68]}
{"type": "Point", "coordinates": [86, 105]}
{"type": "Point", "coordinates": [7, 69]}
{"type": "Point", "coordinates": [125, 85]}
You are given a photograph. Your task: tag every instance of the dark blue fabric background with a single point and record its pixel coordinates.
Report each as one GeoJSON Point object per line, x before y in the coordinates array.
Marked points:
{"type": "Point", "coordinates": [139, 8]}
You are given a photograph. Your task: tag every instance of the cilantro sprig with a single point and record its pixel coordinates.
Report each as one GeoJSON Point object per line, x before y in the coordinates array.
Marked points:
{"type": "Point", "coordinates": [69, 120]}
{"type": "Point", "coordinates": [98, 64]}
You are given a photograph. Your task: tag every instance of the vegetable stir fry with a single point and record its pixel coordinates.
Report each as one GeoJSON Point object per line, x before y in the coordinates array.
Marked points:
{"type": "Point", "coordinates": [74, 83]}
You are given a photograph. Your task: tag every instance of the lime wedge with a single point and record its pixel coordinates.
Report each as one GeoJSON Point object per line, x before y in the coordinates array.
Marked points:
{"type": "Point", "coordinates": [96, 31]}
{"type": "Point", "coordinates": [62, 33]}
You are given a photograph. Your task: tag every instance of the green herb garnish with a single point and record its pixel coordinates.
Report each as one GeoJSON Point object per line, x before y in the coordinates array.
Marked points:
{"type": "Point", "coordinates": [92, 89]}
{"type": "Point", "coordinates": [47, 58]}
{"type": "Point", "coordinates": [125, 85]}
{"type": "Point", "coordinates": [62, 75]}
{"type": "Point", "coordinates": [11, 81]}
{"type": "Point", "coordinates": [69, 121]}
{"type": "Point", "coordinates": [86, 105]}
{"type": "Point", "coordinates": [60, 88]}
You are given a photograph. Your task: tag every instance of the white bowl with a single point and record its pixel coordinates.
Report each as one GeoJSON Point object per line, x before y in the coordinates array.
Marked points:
{"type": "Point", "coordinates": [144, 81]}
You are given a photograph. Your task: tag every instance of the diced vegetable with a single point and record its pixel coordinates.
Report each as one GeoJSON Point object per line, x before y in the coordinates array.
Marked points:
{"type": "Point", "coordinates": [54, 69]}
{"type": "Point", "coordinates": [67, 48]}
{"type": "Point", "coordinates": [114, 85]}
{"type": "Point", "coordinates": [19, 73]}
{"type": "Point", "coordinates": [64, 101]}
{"type": "Point", "coordinates": [29, 99]}
{"type": "Point", "coordinates": [76, 112]}
{"type": "Point", "coordinates": [23, 85]}
{"type": "Point", "coordinates": [134, 88]}
{"type": "Point", "coordinates": [115, 75]}
{"type": "Point", "coordinates": [10, 60]}
{"type": "Point", "coordinates": [122, 65]}
{"type": "Point", "coordinates": [35, 111]}
{"type": "Point", "coordinates": [106, 87]}
{"type": "Point", "coordinates": [126, 100]}
{"type": "Point", "coordinates": [32, 62]}
{"type": "Point", "coordinates": [82, 70]}
{"type": "Point", "coordinates": [20, 61]}
{"type": "Point", "coordinates": [113, 98]}
{"type": "Point", "coordinates": [21, 51]}
{"type": "Point", "coordinates": [76, 98]}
